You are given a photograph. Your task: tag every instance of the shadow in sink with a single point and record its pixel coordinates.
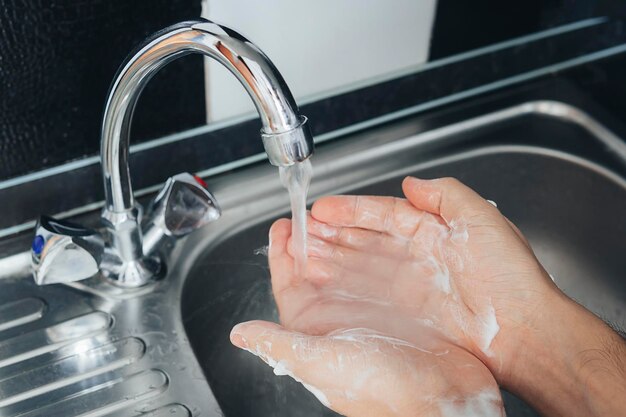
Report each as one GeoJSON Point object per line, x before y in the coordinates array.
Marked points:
{"type": "Point", "coordinates": [565, 206]}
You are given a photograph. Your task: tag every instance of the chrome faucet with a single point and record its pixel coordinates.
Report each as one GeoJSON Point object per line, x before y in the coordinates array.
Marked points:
{"type": "Point", "coordinates": [128, 258]}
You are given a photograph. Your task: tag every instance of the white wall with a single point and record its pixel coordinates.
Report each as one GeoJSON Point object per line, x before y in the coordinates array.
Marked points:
{"type": "Point", "coordinates": [319, 45]}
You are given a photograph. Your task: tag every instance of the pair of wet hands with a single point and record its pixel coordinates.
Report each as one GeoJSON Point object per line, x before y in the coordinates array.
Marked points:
{"type": "Point", "coordinates": [407, 306]}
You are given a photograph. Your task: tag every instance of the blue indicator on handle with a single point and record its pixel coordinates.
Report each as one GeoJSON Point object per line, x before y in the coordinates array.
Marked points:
{"type": "Point", "coordinates": [38, 244]}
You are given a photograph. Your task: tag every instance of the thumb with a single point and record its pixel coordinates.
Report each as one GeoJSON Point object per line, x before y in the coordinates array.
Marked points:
{"type": "Point", "coordinates": [355, 372]}
{"type": "Point", "coordinates": [448, 198]}
{"type": "Point", "coordinates": [297, 355]}
{"type": "Point", "coordinates": [451, 199]}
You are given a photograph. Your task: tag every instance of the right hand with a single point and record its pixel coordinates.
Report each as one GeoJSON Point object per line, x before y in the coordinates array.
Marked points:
{"type": "Point", "coordinates": [448, 256]}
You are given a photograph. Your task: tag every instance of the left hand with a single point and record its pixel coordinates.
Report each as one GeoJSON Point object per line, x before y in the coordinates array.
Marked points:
{"type": "Point", "coordinates": [340, 348]}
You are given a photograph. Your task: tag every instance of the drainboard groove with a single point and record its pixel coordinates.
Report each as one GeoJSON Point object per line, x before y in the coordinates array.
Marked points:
{"type": "Point", "coordinates": [83, 365]}
{"type": "Point", "coordinates": [20, 312]}
{"type": "Point", "coordinates": [104, 395]}
{"type": "Point", "coordinates": [40, 341]}
{"type": "Point", "coordinates": [172, 410]}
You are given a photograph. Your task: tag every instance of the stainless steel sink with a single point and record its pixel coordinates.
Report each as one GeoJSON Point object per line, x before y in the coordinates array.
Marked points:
{"type": "Point", "coordinates": [571, 209]}
{"type": "Point", "coordinates": [84, 349]}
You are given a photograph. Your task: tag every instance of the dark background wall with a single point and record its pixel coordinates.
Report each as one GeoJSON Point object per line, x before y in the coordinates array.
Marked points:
{"type": "Point", "coordinates": [57, 59]}
{"type": "Point", "coordinates": [464, 25]}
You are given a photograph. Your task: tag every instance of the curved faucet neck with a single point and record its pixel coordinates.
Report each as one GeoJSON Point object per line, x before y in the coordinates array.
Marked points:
{"type": "Point", "coordinates": [254, 70]}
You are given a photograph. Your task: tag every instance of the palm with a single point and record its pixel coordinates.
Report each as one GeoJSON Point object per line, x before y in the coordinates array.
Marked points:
{"type": "Point", "coordinates": [420, 272]}
{"type": "Point", "coordinates": [384, 343]}
{"type": "Point", "coordinates": [448, 261]}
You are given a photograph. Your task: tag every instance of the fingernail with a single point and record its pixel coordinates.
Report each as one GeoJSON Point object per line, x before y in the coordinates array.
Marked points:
{"type": "Point", "coordinates": [425, 187]}
{"type": "Point", "coordinates": [237, 338]}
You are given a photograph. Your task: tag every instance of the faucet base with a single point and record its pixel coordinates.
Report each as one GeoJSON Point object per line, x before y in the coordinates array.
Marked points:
{"type": "Point", "coordinates": [124, 263]}
{"type": "Point", "coordinates": [131, 274]}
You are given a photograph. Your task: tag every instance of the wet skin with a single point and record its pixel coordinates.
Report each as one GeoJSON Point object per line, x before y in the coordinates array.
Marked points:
{"type": "Point", "coordinates": [440, 292]}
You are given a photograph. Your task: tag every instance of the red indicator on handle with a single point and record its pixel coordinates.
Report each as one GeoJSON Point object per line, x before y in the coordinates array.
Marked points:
{"type": "Point", "coordinates": [200, 181]}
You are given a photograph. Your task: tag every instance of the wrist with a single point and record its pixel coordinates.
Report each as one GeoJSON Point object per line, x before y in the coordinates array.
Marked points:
{"type": "Point", "coordinates": [524, 323]}
{"type": "Point", "coordinates": [567, 361]}
{"type": "Point", "coordinates": [602, 373]}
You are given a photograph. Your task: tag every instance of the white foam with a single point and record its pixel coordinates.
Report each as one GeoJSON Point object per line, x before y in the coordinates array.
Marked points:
{"type": "Point", "coordinates": [486, 403]}
{"type": "Point", "coordinates": [263, 250]}
{"type": "Point", "coordinates": [490, 329]}
{"type": "Point", "coordinates": [321, 397]}
{"type": "Point", "coordinates": [458, 231]}
{"type": "Point", "coordinates": [281, 368]}
{"type": "Point", "coordinates": [363, 336]}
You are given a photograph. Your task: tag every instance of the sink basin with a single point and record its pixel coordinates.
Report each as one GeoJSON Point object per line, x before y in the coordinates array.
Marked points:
{"type": "Point", "coordinates": [553, 171]}
{"type": "Point", "coordinates": [88, 348]}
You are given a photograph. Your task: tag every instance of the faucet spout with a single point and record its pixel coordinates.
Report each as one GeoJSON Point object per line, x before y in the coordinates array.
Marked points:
{"type": "Point", "coordinates": [285, 134]}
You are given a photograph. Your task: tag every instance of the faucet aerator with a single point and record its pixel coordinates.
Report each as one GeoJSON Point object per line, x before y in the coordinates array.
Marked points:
{"type": "Point", "coordinates": [290, 147]}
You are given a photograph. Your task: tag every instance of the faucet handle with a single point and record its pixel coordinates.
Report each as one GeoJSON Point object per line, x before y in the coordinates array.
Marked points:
{"type": "Point", "coordinates": [64, 252]}
{"type": "Point", "coordinates": [182, 206]}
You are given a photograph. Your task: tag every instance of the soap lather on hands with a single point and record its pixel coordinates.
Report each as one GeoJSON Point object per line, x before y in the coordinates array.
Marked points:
{"type": "Point", "coordinates": [362, 329]}
{"type": "Point", "coordinates": [407, 307]}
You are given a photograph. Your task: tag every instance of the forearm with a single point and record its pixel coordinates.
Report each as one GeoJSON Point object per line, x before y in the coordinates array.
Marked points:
{"type": "Point", "coordinates": [571, 364]}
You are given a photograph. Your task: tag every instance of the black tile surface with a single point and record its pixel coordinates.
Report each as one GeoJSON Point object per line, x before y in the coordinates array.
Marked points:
{"type": "Point", "coordinates": [465, 25]}
{"type": "Point", "coordinates": [57, 59]}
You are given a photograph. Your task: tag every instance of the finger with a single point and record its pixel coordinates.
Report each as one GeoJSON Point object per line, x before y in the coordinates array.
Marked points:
{"type": "Point", "coordinates": [344, 274]}
{"type": "Point", "coordinates": [374, 253]}
{"type": "Point", "coordinates": [349, 259]}
{"type": "Point", "coordinates": [291, 292]}
{"type": "Point", "coordinates": [281, 263]}
{"type": "Point", "coordinates": [301, 356]}
{"type": "Point", "coordinates": [325, 272]}
{"type": "Point", "coordinates": [390, 215]}
{"type": "Point", "coordinates": [448, 198]}
{"type": "Point", "coordinates": [348, 371]}
{"type": "Point", "coordinates": [330, 263]}
{"type": "Point", "coordinates": [368, 241]}
{"type": "Point", "coordinates": [431, 231]}
{"type": "Point", "coordinates": [290, 353]}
